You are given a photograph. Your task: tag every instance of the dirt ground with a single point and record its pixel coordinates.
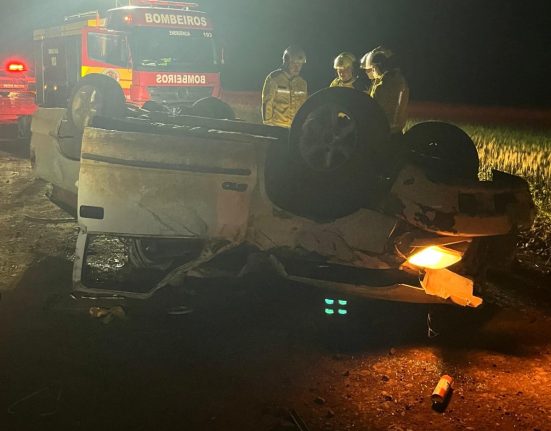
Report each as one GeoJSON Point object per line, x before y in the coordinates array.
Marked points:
{"type": "Point", "coordinates": [251, 352]}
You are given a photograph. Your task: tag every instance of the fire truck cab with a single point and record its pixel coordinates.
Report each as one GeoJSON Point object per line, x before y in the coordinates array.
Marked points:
{"type": "Point", "coordinates": [157, 51]}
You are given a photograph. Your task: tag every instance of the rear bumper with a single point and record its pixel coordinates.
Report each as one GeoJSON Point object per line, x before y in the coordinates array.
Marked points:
{"type": "Point", "coordinates": [13, 107]}
{"type": "Point", "coordinates": [428, 287]}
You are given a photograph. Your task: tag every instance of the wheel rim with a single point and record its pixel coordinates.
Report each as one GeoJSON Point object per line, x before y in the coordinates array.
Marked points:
{"type": "Point", "coordinates": [329, 138]}
{"type": "Point", "coordinates": [86, 104]}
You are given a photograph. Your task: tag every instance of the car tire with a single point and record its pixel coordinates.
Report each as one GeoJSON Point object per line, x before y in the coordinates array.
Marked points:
{"type": "Point", "coordinates": [212, 107]}
{"type": "Point", "coordinates": [443, 150]}
{"type": "Point", "coordinates": [95, 94]}
{"type": "Point", "coordinates": [331, 167]}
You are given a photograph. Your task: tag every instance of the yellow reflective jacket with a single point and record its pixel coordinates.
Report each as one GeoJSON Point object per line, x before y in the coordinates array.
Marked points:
{"type": "Point", "coordinates": [355, 83]}
{"type": "Point", "coordinates": [392, 93]}
{"type": "Point", "coordinates": [282, 96]}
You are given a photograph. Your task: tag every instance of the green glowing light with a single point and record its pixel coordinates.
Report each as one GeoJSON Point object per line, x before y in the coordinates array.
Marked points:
{"type": "Point", "coordinates": [329, 301]}
{"type": "Point", "coordinates": [329, 311]}
{"type": "Point", "coordinates": [343, 302]}
{"type": "Point", "coordinates": [343, 312]}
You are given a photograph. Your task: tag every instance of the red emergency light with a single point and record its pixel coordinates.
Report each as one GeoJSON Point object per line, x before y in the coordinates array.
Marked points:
{"type": "Point", "coordinates": [15, 66]}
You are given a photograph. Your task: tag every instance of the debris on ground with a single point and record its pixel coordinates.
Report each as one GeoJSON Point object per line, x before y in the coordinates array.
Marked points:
{"type": "Point", "coordinates": [107, 314]}
{"type": "Point", "coordinates": [319, 400]}
{"type": "Point", "coordinates": [297, 420]}
{"type": "Point", "coordinates": [50, 219]}
{"type": "Point", "coordinates": [431, 333]}
{"type": "Point", "coordinates": [179, 310]}
{"type": "Point", "coordinates": [442, 392]}
{"type": "Point", "coordinates": [43, 402]}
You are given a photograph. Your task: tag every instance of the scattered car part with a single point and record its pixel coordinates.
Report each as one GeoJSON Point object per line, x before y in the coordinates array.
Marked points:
{"type": "Point", "coordinates": [443, 389]}
{"type": "Point", "coordinates": [297, 420]}
{"type": "Point", "coordinates": [107, 314]}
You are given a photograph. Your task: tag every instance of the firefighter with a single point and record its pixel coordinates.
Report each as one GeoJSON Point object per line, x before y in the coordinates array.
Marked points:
{"type": "Point", "coordinates": [388, 86]}
{"type": "Point", "coordinates": [284, 90]}
{"type": "Point", "coordinates": [346, 68]}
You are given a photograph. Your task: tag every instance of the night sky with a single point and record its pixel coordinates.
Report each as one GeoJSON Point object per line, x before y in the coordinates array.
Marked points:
{"type": "Point", "coordinates": [484, 52]}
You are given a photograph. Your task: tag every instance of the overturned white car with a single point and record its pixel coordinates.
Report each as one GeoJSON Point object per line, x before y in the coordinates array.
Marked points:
{"type": "Point", "coordinates": [336, 203]}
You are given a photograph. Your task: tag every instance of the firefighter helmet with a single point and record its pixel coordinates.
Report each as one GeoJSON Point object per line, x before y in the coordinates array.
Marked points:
{"type": "Point", "coordinates": [294, 54]}
{"type": "Point", "coordinates": [345, 60]}
{"type": "Point", "coordinates": [378, 57]}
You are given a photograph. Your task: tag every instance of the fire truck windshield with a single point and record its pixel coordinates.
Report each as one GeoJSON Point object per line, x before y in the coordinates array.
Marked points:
{"type": "Point", "coordinates": [173, 49]}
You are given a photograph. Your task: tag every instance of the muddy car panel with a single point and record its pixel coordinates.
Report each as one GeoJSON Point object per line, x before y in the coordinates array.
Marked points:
{"type": "Point", "coordinates": [49, 156]}
{"type": "Point", "coordinates": [469, 208]}
{"type": "Point", "coordinates": [145, 184]}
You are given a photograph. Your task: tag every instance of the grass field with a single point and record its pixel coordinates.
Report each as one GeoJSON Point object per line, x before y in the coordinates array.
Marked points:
{"type": "Point", "coordinates": [514, 149]}
{"type": "Point", "coordinates": [526, 153]}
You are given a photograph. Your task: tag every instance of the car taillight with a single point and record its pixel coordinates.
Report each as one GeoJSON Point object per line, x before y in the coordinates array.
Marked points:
{"type": "Point", "coordinates": [435, 257]}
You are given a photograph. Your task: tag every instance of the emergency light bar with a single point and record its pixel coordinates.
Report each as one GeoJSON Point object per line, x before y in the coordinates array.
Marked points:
{"type": "Point", "coordinates": [16, 67]}
{"type": "Point", "coordinates": [166, 3]}
{"type": "Point", "coordinates": [82, 15]}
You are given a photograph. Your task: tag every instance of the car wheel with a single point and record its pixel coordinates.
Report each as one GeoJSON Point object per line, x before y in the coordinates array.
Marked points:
{"type": "Point", "coordinates": [95, 94]}
{"type": "Point", "coordinates": [443, 150]}
{"type": "Point", "coordinates": [336, 130]}
{"type": "Point", "coordinates": [331, 167]}
{"type": "Point", "coordinates": [212, 107]}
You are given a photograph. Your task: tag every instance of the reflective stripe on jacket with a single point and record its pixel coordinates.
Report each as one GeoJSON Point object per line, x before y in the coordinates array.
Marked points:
{"type": "Point", "coordinates": [355, 83]}
{"type": "Point", "coordinates": [392, 93]}
{"type": "Point", "coordinates": [282, 97]}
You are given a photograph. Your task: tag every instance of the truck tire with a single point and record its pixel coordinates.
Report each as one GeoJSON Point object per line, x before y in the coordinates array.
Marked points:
{"type": "Point", "coordinates": [331, 167]}
{"type": "Point", "coordinates": [443, 150]}
{"type": "Point", "coordinates": [95, 94]}
{"type": "Point", "coordinates": [212, 107]}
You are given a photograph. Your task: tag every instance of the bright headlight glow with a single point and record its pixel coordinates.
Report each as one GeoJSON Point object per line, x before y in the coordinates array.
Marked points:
{"type": "Point", "coordinates": [435, 257]}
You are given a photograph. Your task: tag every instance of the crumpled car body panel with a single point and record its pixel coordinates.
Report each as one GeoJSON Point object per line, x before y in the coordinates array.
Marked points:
{"type": "Point", "coordinates": [208, 184]}
{"type": "Point", "coordinates": [480, 208]}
